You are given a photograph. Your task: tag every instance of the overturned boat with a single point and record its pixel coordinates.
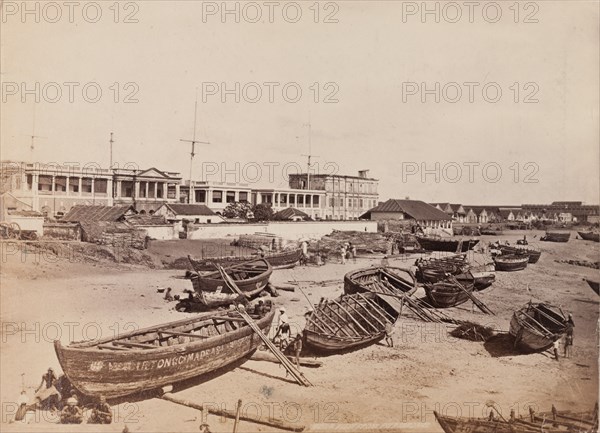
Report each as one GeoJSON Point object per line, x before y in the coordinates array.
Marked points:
{"type": "Point", "coordinates": [589, 236]}
{"type": "Point", "coordinates": [448, 293]}
{"type": "Point", "coordinates": [160, 355]}
{"type": "Point", "coordinates": [555, 236]}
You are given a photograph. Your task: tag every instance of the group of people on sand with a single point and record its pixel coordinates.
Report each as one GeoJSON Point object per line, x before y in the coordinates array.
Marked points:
{"type": "Point", "coordinates": [57, 395]}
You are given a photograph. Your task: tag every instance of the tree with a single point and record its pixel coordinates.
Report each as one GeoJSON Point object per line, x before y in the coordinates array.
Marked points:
{"type": "Point", "coordinates": [263, 212]}
{"type": "Point", "coordinates": [237, 210]}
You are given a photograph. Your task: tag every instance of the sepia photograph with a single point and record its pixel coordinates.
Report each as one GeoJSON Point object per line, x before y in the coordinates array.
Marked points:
{"type": "Point", "coordinates": [299, 216]}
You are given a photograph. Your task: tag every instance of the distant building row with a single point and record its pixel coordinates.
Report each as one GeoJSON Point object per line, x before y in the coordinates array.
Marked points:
{"type": "Point", "coordinates": [53, 190]}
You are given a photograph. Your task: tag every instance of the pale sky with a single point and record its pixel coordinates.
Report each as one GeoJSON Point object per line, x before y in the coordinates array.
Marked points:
{"type": "Point", "coordinates": [367, 54]}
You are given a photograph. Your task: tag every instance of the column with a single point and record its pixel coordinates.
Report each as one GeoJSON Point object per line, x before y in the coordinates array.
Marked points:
{"type": "Point", "coordinates": [67, 183]}
{"type": "Point", "coordinates": [136, 189]}
{"type": "Point", "coordinates": [118, 194]}
{"type": "Point", "coordinates": [109, 191]}
{"type": "Point", "coordinates": [147, 189]}
{"type": "Point", "coordinates": [80, 186]}
{"type": "Point", "coordinates": [177, 192]}
{"type": "Point", "coordinates": [53, 184]}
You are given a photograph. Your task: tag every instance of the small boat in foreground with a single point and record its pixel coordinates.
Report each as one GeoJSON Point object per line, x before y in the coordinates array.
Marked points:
{"type": "Point", "coordinates": [511, 262]}
{"type": "Point", "coordinates": [448, 293]}
{"type": "Point", "coordinates": [161, 355]}
{"type": "Point", "coordinates": [594, 285]}
{"type": "Point", "coordinates": [450, 245]}
{"type": "Point", "coordinates": [556, 237]}
{"type": "Point", "coordinates": [278, 260]}
{"type": "Point", "coordinates": [348, 322]}
{"type": "Point", "coordinates": [553, 422]}
{"type": "Point", "coordinates": [536, 327]}
{"type": "Point", "coordinates": [589, 236]}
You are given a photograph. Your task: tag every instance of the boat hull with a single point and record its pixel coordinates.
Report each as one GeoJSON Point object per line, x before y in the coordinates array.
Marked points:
{"type": "Point", "coordinates": [473, 425]}
{"type": "Point", "coordinates": [511, 264]}
{"type": "Point", "coordinates": [96, 372]}
{"type": "Point", "coordinates": [280, 260]}
{"type": "Point", "coordinates": [556, 237]}
{"type": "Point", "coordinates": [533, 255]}
{"type": "Point", "coordinates": [594, 285]}
{"type": "Point", "coordinates": [528, 335]}
{"type": "Point", "coordinates": [255, 283]}
{"type": "Point", "coordinates": [449, 245]}
{"type": "Point", "coordinates": [589, 236]}
{"type": "Point", "coordinates": [447, 294]}
{"type": "Point", "coordinates": [347, 323]}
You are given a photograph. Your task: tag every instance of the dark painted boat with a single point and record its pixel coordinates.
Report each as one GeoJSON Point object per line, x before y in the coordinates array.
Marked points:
{"type": "Point", "coordinates": [534, 255]}
{"type": "Point", "coordinates": [160, 355]}
{"type": "Point", "coordinates": [378, 279]}
{"type": "Point", "coordinates": [511, 262]}
{"type": "Point", "coordinates": [250, 277]}
{"type": "Point", "coordinates": [557, 422]}
{"type": "Point", "coordinates": [480, 277]}
{"type": "Point", "coordinates": [280, 260]}
{"type": "Point", "coordinates": [447, 293]}
{"type": "Point", "coordinates": [435, 269]}
{"type": "Point", "coordinates": [349, 322]}
{"type": "Point", "coordinates": [450, 245]}
{"type": "Point", "coordinates": [556, 237]}
{"type": "Point", "coordinates": [536, 326]}
{"type": "Point", "coordinates": [589, 236]}
{"type": "Point", "coordinates": [593, 285]}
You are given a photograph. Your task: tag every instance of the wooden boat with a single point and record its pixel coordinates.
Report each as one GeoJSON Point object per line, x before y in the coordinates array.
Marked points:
{"type": "Point", "coordinates": [279, 260]}
{"type": "Point", "coordinates": [369, 280]}
{"type": "Point", "coordinates": [556, 237]}
{"type": "Point", "coordinates": [593, 285]}
{"type": "Point", "coordinates": [561, 422]}
{"type": "Point", "coordinates": [511, 262]}
{"type": "Point", "coordinates": [447, 293]}
{"type": "Point", "coordinates": [536, 326]}
{"type": "Point", "coordinates": [160, 355]}
{"type": "Point", "coordinates": [348, 322]}
{"type": "Point", "coordinates": [450, 245]}
{"type": "Point", "coordinates": [250, 277]}
{"type": "Point", "coordinates": [589, 236]}
{"type": "Point", "coordinates": [436, 269]}
{"type": "Point", "coordinates": [533, 254]}
{"type": "Point", "coordinates": [479, 277]}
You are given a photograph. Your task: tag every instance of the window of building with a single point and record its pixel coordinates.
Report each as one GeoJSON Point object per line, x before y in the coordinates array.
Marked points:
{"type": "Point", "coordinates": [292, 200]}
{"type": "Point", "coordinates": [300, 200]}
{"type": "Point", "coordinates": [243, 196]}
{"type": "Point", "coordinates": [316, 201]}
{"type": "Point", "coordinates": [200, 195]}
{"type": "Point", "coordinates": [230, 197]}
{"type": "Point", "coordinates": [217, 196]}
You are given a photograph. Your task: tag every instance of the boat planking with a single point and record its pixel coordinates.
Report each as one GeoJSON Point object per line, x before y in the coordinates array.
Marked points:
{"type": "Point", "coordinates": [535, 327]}
{"type": "Point", "coordinates": [160, 355]}
{"type": "Point", "coordinates": [348, 322]}
{"type": "Point", "coordinates": [278, 260]}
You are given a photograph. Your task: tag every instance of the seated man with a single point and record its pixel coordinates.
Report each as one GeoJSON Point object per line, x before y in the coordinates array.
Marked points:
{"type": "Point", "coordinates": [71, 413]}
{"type": "Point", "coordinates": [101, 413]}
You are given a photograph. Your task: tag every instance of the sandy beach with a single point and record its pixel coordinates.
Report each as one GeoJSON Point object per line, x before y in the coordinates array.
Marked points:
{"type": "Point", "coordinates": [44, 299]}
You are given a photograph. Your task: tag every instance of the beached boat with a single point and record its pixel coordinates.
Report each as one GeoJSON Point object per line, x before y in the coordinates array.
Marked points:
{"type": "Point", "coordinates": [450, 245]}
{"type": "Point", "coordinates": [379, 279]}
{"type": "Point", "coordinates": [556, 237]}
{"type": "Point", "coordinates": [447, 293]}
{"type": "Point", "coordinates": [533, 254]}
{"type": "Point", "coordinates": [593, 285]}
{"type": "Point", "coordinates": [160, 355]}
{"type": "Point", "coordinates": [511, 262]}
{"type": "Point", "coordinates": [435, 269]}
{"type": "Point", "coordinates": [481, 277]}
{"type": "Point", "coordinates": [536, 326]}
{"type": "Point", "coordinates": [557, 422]}
{"type": "Point", "coordinates": [250, 277]}
{"type": "Point", "coordinates": [589, 236]}
{"type": "Point", "coordinates": [279, 260]}
{"type": "Point", "coordinates": [348, 322]}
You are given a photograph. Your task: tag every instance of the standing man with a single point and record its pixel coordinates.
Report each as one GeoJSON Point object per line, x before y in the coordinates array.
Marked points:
{"type": "Point", "coordinates": [353, 251]}
{"type": "Point", "coordinates": [283, 329]}
{"type": "Point", "coordinates": [556, 347]}
{"type": "Point", "coordinates": [48, 395]}
{"type": "Point", "coordinates": [304, 246]}
{"type": "Point", "coordinates": [343, 254]}
{"type": "Point", "coordinates": [569, 336]}
{"type": "Point", "coordinates": [389, 330]}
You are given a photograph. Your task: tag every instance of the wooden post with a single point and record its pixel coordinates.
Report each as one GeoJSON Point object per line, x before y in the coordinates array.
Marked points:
{"type": "Point", "coordinates": [237, 416]}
